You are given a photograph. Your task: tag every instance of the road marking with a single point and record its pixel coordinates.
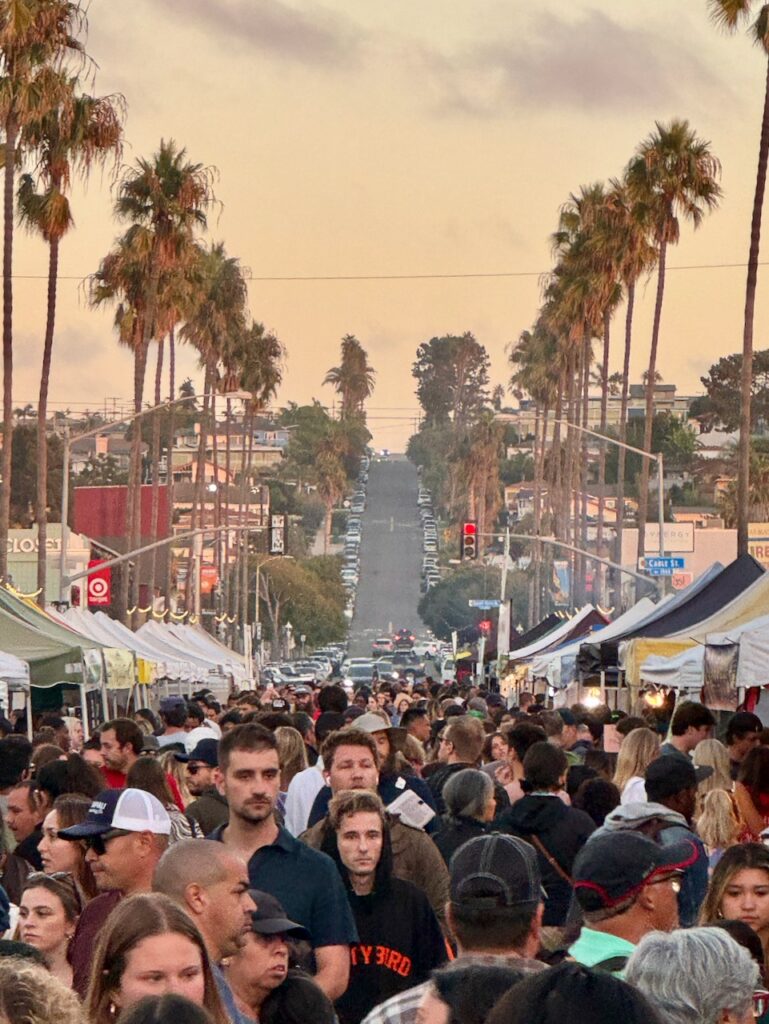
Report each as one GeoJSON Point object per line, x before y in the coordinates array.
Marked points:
{"type": "Point", "coordinates": [392, 524]}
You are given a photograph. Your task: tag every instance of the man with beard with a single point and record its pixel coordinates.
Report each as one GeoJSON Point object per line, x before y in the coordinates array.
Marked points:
{"type": "Point", "coordinates": [209, 808]}
{"type": "Point", "coordinates": [305, 881]}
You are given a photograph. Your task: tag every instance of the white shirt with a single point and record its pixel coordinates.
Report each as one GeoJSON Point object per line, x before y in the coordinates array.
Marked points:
{"type": "Point", "coordinates": [302, 790]}
{"type": "Point", "coordinates": [634, 791]}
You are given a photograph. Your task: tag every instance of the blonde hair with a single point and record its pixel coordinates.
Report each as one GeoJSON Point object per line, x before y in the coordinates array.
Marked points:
{"type": "Point", "coordinates": [718, 825]}
{"type": "Point", "coordinates": [637, 752]}
{"type": "Point", "coordinates": [292, 754]}
{"type": "Point", "coordinates": [177, 771]}
{"type": "Point", "coordinates": [30, 994]}
{"type": "Point", "coordinates": [713, 754]}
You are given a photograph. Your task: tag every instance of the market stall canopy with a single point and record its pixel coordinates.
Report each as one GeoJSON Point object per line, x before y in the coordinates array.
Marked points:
{"type": "Point", "coordinates": [163, 639]}
{"type": "Point", "coordinates": [578, 625]}
{"type": "Point", "coordinates": [199, 640]}
{"type": "Point", "coordinates": [50, 661]}
{"type": "Point", "coordinates": [14, 671]}
{"type": "Point", "coordinates": [684, 671]}
{"type": "Point", "coordinates": [547, 625]}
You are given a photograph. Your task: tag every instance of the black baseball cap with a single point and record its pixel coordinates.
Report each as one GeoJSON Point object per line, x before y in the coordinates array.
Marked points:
{"type": "Point", "coordinates": [672, 773]}
{"type": "Point", "coordinates": [270, 918]}
{"type": "Point", "coordinates": [495, 871]}
{"type": "Point", "coordinates": [204, 750]}
{"type": "Point", "coordinates": [615, 866]}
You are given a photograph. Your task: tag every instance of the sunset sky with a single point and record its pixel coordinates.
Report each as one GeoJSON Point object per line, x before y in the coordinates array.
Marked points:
{"type": "Point", "coordinates": [414, 137]}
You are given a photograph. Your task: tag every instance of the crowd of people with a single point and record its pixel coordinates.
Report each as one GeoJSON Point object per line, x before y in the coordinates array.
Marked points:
{"type": "Point", "coordinates": [415, 854]}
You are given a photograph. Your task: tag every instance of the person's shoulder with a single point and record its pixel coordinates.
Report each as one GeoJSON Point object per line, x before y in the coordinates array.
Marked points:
{"type": "Point", "coordinates": [398, 1009]}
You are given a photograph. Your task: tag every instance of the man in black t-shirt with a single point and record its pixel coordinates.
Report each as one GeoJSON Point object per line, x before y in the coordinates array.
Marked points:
{"type": "Point", "coordinates": [400, 940]}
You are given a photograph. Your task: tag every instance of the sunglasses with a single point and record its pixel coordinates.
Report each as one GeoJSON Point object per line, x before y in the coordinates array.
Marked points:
{"type": "Point", "coordinates": [760, 1002]}
{"type": "Point", "coordinates": [99, 843]}
{"type": "Point", "coordinates": [193, 769]}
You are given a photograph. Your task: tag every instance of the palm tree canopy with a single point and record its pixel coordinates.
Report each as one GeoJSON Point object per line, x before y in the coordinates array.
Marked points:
{"type": "Point", "coordinates": [732, 14]}
{"type": "Point", "coordinates": [353, 379]}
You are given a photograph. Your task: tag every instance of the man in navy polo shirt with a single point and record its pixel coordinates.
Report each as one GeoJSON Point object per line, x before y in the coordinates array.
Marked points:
{"type": "Point", "coordinates": [305, 881]}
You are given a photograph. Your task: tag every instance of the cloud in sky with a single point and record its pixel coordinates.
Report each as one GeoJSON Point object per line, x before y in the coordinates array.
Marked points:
{"type": "Point", "coordinates": [588, 64]}
{"type": "Point", "coordinates": [313, 35]}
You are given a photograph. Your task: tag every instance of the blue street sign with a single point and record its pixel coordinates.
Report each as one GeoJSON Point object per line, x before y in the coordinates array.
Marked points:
{"type": "Point", "coordinates": [484, 603]}
{"type": "Point", "coordinates": [662, 571]}
{"type": "Point", "coordinates": [673, 564]}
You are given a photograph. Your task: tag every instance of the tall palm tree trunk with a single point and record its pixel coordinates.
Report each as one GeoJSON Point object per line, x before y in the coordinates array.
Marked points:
{"type": "Point", "coordinates": [746, 384]}
{"type": "Point", "coordinates": [585, 455]}
{"type": "Point", "coordinates": [247, 511]}
{"type": "Point", "coordinates": [599, 570]}
{"type": "Point", "coordinates": [41, 502]}
{"type": "Point", "coordinates": [125, 571]}
{"type": "Point", "coordinates": [11, 134]}
{"type": "Point", "coordinates": [168, 584]}
{"type": "Point", "coordinates": [198, 514]}
{"type": "Point", "coordinates": [623, 434]}
{"type": "Point", "coordinates": [643, 494]}
{"type": "Point", "coordinates": [225, 584]}
{"type": "Point", "coordinates": [136, 521]}
{"type": "Point", "coordinates": [155, 505]}
{"type": "Point", "coordinates": [537, 500]}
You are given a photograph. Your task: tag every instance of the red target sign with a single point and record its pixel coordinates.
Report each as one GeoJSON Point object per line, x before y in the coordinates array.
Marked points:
{"type": "Point", "coordinates": [99, 584]}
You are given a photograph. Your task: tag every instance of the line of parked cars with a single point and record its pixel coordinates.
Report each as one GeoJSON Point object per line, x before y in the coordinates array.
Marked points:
{"type": "Point", "coordinates": [352, 538]}
{"type": "Point", "coordinates": [430, 572]}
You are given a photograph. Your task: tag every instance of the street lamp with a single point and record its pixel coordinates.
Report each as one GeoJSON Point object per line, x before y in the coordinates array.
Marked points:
{"type": "Point", "coordinates": [171, 403]}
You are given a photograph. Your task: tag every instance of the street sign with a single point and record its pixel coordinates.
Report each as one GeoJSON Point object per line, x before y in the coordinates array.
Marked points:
{"type": "Point", "coordinates": [484, 603]}
{"type": "Point", "coordinates": [278, 534]}
{"type": "Point", "coordinates": [652, 563]}
{"type": "Point", "coordinates": [681, 580]}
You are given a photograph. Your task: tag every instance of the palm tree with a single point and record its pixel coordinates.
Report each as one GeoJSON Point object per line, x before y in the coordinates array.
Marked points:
{"type": "Point", "coordinates": [69, 139]}
{"type": "Point", "coordinates": [730, 14]}
{"type": "Point", "coordinates": [330, 473]}
{"type": "Point", "coordinates": [673, 175]}
{"type": "Point", "coordinates": [353, 379]}
{"type": "Point", "coordinates": [34, 39]}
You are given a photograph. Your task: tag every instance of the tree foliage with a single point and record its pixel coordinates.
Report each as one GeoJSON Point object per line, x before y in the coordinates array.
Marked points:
{"type": "Point", "coordinates": [722, 383]}
{"type": "Point", "coordinates": [444, 607]}
{"type": "Point", "coordinates": [452, 375]}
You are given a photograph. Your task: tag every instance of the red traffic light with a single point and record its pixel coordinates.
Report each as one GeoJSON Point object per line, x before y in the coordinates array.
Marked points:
{"type": "Point", "coordinates": [469, 529]}
{"type": "Point", "coordinates": [485, 626]}
{"type": "Point", "coordinates": [469, 540]}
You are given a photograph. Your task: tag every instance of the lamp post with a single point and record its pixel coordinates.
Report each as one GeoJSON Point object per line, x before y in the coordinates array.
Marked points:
{"type": "Point", "coordinates": [127, 420]}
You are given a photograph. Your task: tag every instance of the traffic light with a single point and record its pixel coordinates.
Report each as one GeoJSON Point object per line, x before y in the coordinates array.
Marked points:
{"type": "Point", "coordinates": [485, 627]}
{"type": "Point", "coordinates": [469, 540]}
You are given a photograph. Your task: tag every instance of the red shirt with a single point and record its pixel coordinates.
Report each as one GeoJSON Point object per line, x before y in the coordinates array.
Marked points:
{"type": "Point", "coordinates": [117, 780]}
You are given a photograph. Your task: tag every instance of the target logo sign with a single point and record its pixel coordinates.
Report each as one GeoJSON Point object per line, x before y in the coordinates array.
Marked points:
{"type": "Point", "coordinates": [99, 584]}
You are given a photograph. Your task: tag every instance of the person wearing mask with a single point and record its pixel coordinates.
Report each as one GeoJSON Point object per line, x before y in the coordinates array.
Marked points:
{"type": "Point", "coordinates": [208, 808]}
{"type": "Point", "coordinates": [556, 831]}
{"type": "Point", "coordinates": [48, 914]}
{"type": "Point", "coordinates": [400, 939]}
{"type": "Point", "coordinates": [460, 747]}
{"type": "Point", "coordinates": [743, 734]}
{"type": "Point", "coordinates": [126, 832]}
{"type": "Point", "coordinates": [303, 880]}
{"type": "Point", "coordinates": [691, 723]}
{"type": "Point", "coordinates": [671, 781]}
{"type": "Point", "coordinates": [470, 806]}
{"type": "Point", "coordinates": [211, 885]}
{"type": "Point", "coordinates": [25, 820]}
{"type": "Point", "coordinates": [494, 914]}
{"type": "Point", "coordinates": [626, 886]}
{"type": "Point", "coordinates": [351, 760]}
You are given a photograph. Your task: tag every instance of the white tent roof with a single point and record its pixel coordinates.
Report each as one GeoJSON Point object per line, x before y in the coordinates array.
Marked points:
{"type": "Point", "coordinates": [552, 638]}
{"type": "Point", "coordinates": [686, 671]}
{"type": "Point", "coordinates": [162, 638]}
{"type": "Point", "coordinates": [13, 669]}
{"type": "Point", "coordinates": [206, 644]}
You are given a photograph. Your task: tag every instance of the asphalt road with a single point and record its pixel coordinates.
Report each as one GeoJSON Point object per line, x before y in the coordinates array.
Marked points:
{"type": "Point", "coordinates": [391, 556]}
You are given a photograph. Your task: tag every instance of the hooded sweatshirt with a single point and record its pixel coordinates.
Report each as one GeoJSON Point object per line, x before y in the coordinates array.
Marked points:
{"type": "Point", "coordinates": [562, 831]}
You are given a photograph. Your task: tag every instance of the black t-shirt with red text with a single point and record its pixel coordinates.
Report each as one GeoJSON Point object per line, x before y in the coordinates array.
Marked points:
{"type": "Point", "coordinates": [400, 943]}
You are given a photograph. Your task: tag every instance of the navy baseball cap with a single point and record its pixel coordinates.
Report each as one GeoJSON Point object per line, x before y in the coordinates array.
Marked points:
{"type": "Point", "coordinates": [204, 750]}
{"type": "Point", "coordinates": [130, 810]}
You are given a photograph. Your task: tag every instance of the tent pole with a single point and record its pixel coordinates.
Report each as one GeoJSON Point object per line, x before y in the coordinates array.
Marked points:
{"type": "Point", "coordinates": [83, 711]}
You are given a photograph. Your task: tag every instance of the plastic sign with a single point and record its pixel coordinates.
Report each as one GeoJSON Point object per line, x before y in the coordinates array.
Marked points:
{"type": "Point", "coordinates": [278, 534]}
{"type": "Point", "coordinates": [99, 588]}
{"type": "Point", "coordinates": [469, 542]}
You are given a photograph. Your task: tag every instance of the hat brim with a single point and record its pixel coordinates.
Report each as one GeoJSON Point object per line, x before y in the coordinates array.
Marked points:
{"type": "Point", "coordinates": [280, 926]}
{"type": "Point", "coordinates": [676, 857]}
{"type": "Point", "coordinates": [84, 830]}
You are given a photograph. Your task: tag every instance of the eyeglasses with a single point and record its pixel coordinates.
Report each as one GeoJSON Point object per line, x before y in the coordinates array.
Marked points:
{"type": "Point", "coordinates": [99, 843]}
{"type": "Point", "coordinates": [674, 879]}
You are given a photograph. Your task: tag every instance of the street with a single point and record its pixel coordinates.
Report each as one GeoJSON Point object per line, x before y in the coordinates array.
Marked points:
{"type": "Point", "coordinates": [391, 555]}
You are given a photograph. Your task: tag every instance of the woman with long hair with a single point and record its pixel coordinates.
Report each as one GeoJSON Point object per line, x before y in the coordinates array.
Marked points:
{"type": "Point", "coordinates": [62, 854]}
{"type": "Point", "coordinates": [718, 825]}
{"type": "Point", "coordinates": [712, 754]}
{"type": "Point", "coordinates": [50, 908]}
{"type": "Point", "coordinates": [292, 754]}
{"type": "Point", "coordinates": [751, 794]}
{"type": "Point", "coordinates": [147, 773]}
{"type": "Point", "coordinates": [147, 947]}
{"type": "Point", "coordinates": [637, 752]}
{"type": "Point", "coordinates": [739, 889]}
{"type": "Point", "coordinates": [30, 994]}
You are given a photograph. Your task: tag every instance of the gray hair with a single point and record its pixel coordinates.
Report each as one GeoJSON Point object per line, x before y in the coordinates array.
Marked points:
{"type": "Point", "coordinates": [467, 793]}
{"type": "Point", "coordinates": [691, 976]}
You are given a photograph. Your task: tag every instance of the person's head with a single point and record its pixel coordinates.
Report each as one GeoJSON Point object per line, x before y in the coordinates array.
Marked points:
{"type": "Point", "coordinates": [691, 723]}
{"type": "Point", "coordinates": [147, 773]}
{"type": "Point", "coordinates": [70, 775]}
{"type": "Point", "coordinates": [695, 976]}
{"type": "Point", "coordinates": [351, 760]}
{"type": "Point", "coordinates": [91, 752]}
{"type": "Point", "coordinates": [520, 737]}
{"type": "Point", "coordinates": [470, 794]}
{"type": "Point", "coordinates": [147, 720]}
{"type": "Point", "coordinates": [60, 855]}
{"type": "Point", "coordinates": [292, 754]}
{"type": "Point", "coordinates": [149, 947]}
{"type": "Point", "coordinates": [211, 884]}
{"type": "Point", "coordinates": [304, 699]}
{"type": "Point", "coordinates": [332, 698]}
{"type": "Point", "coordinates": [544, 767]}
{"type": "Point", "coordinates": [416, 722]}
{"type": "Point", "coordinates": [261, 965]}
{"type": "Point", "coordinates": [200, 766]}
{"type": "Point", "coordinates": [327, 723]}
{"type": "Point", "coordinates": [52, 720]}
{"type": "Point", "coordinates": [465, 993]}
{"type": "Point", "coordinates": [754, 770]}
{"type": "Point", "coordinates": [743, 733]}
{"type": "Point", "coordinates": [462, 741]}
{"type": "Point", "coordinates": [30, 994]}
{"type": "Point", "coordinates": [624, 880]}
{"type": "Point", "coordinates": [76, 733]}
{"type": "Point", "coordinates": [495, 896]}
{"type": "Point", "coordinates": [297, 1001]}
{"type": "Point", "coordinates": [230, 719]}
{"type": "Point", "coordinates": [195, 717]}
{"type": "Point", "coordinates": [249, 772]}
{"type": "Point", "coordinates": [597, 797]}
{"type": "Point", "coordinates": [173, 713]}
{"type": "Point", "coordinates": [49, 911]}
{"type": "Point", "coordinates": [120, 742]}
{"type": "Point", "coordinates": [358, 819]}
{"type": "Point", "coordinates": [126, 832]}
{"type": "Point", "coordinates": [739, 888]}
{"type": "Point", "coordinates": [15, 754]}
{"type": "Point", "coordinates": [169, 1009]}
{"type": "Point", "coordinates": [637, 752]}
{"type": "Point", "coordinates": [717, 825]}
{"type": "Point", "coordinates": [495, 747]}
{"type": "Point", "coordinates": [712, 754]}
{"type": "Point", "coordinates": [23, 813]}
{"type": "Point", "coordinates": [672, 781]}
{"type": "Point", "coordinates": [573, 994]}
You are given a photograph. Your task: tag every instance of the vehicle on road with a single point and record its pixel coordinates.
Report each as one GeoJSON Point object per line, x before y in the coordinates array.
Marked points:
{"type": "Point", "coordinates": [382, 645]}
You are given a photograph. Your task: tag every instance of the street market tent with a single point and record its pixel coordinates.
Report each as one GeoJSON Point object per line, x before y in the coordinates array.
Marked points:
{"type": "Point", "coordinates": [577, 626]}
{"type": "Point", "coordinates": [50, 661]}
{"type": "Point", "coordinates": [684, 671]}
{"type": "Point", "coordinates": [559, 666]}
{"type": "Point", "coordinates": [14, 671]}
{"type": "Point", "coordinates": [163, 639]}
{"type": "Point", "coordinates": [547, 625]}
{"type": "Point", "coordinates": [206, 644]}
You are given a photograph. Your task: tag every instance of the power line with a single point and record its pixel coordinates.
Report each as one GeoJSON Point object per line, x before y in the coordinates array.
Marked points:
{"type": "Point", "coordinates": [486, 275]}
